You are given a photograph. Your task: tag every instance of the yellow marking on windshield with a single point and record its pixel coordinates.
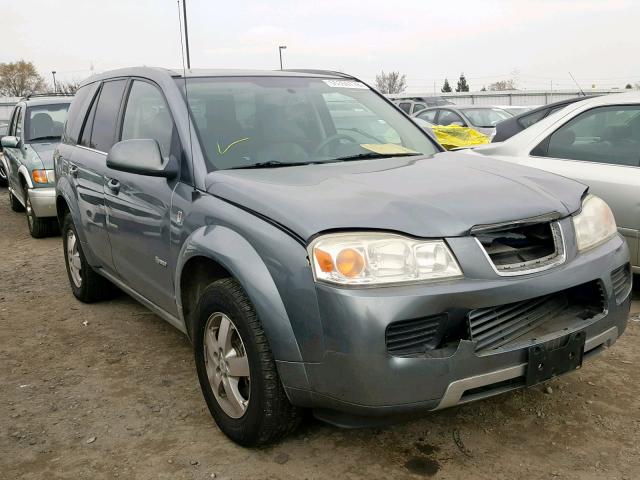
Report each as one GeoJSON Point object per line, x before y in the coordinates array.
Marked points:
{"type": "Point", "coordinates": [232, 144]}
{"type": "Point", "coordinates": [386, 148]}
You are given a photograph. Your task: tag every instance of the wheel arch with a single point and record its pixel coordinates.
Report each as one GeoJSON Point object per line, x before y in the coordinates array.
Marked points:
{"type": "Point", "coordinates": [217, 252]}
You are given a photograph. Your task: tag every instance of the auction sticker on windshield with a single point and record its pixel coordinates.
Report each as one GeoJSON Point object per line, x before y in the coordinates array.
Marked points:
{"type": "Point", "coordinates": [346, 84]}
{"type": "Point", "coordinates": [386, 148]}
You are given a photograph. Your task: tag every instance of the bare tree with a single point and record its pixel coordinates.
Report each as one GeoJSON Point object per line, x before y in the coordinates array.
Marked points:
{"type": "Point", "coordinates": [66, 87]}
{"type": "Point", "coordinates": [19, 78]}
{"type": "Point", "coordinates": [502, 85]}
{"type": "Point", "coordinates": [391, 82]}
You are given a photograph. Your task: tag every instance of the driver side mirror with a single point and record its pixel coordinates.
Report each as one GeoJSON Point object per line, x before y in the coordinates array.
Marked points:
{"type": "Point", "coordinates": [10, 142]}
{"type": "Point", "coordinates": [142, 157]}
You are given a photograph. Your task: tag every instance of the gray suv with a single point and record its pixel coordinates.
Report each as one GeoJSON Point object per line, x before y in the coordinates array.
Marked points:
{"type": "Point", "coordinates": [319, 261]}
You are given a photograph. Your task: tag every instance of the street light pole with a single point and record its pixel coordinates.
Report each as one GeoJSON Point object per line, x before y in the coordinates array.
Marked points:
{"type": "Point", "coordinates": [55, 88]}
{"type": "Point", "coordinates": [280, 48]}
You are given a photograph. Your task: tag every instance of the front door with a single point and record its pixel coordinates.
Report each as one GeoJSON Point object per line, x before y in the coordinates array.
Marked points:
{"type": "Point", "coordinates": [139, 207]}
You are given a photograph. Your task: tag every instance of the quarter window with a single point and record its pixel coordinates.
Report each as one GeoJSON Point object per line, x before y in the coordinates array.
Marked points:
{"type": "Point", "coordinates": [103, 133]}
{"type": "Point", "coordinates": [76, 114]}
{"type": "Point", "coordinates": [428, 116]}
{"type": "Point", "coordinates": [147, 116]}
{"type": "Point", "coordinates": [605, 135]}
{"type": "Point", "coordinates": [448, 117]}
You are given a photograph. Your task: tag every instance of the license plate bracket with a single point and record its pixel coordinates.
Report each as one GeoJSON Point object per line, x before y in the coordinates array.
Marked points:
{"type": "Point", "coordinates": [549, 360]}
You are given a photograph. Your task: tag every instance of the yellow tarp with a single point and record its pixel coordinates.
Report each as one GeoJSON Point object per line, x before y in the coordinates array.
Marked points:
{"type": "Point", "coordinates": [454, 136]}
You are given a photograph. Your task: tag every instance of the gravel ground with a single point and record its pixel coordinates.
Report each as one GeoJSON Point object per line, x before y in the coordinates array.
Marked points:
{"type": "Point", "coordinates": [109, 391]}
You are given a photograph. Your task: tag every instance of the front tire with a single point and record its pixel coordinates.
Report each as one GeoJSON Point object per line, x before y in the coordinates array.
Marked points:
{"type": "Point", "coordinates": [87, 285]}
{"type": "Point", "coordinates": [236, 368]}
{"type": "Point", "coordinates": [16, 206]}
{"type": "Point", "coordinates": [38, 227]}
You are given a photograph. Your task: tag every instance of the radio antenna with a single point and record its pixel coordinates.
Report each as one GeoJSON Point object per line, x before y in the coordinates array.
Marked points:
{"type": "Point", "coordinates": [581, 91]}
{"type": "Point", "coordinates": [186, 97]}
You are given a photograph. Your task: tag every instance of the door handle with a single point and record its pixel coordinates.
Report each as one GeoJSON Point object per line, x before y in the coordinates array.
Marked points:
{"type": "Point", "coordinates": [73, 171]}
{"type": "Point", "coordinates": [114, 186]}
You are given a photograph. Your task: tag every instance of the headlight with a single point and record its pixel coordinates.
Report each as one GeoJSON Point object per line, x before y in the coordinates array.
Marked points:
{"type": "Point", "coordinates": [379, 259]}
{"type": "Point", "coordinates": [44, 176]}
{"type": "Point", "coordinates": [594, 224]}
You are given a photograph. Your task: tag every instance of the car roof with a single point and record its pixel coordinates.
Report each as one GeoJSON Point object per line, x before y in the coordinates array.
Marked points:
{"type": "Point", "coordinates": [155, 73]}
{"type": "Point", "coordinates": [46, 100]}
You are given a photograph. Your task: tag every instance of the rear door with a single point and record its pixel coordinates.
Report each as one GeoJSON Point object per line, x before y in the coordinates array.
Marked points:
{"type": "Point", "coordinates": [601, 148]}
{"type": "Point", "coordinates": [139, 206]}
{"type": "Point", "coordinates": [88, 165]}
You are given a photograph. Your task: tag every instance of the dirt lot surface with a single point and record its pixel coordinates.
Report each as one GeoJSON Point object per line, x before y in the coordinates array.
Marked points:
{"type": "Point", "coordinates": [109, 391]}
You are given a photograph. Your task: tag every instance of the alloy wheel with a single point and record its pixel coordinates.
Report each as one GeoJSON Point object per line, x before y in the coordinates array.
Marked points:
{"type": "Point", "coordinates": [73, 258]}
{"type": "Point", "coordinates": [227, 365]}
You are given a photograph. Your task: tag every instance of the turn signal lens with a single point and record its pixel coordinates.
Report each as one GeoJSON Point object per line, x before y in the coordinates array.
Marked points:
{"type": "Point", "coordinates": [43, 176]}
{"type": "Point", "coordinates": [325, 262]}
{"type": "Point", "coordinates": [40, 176]}
{"type": "Point", "coordinates": [350, 262]}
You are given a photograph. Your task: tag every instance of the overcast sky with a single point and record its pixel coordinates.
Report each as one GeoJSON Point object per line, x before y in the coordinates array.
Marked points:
{"type": "Point", "coordinates": [488, 40]}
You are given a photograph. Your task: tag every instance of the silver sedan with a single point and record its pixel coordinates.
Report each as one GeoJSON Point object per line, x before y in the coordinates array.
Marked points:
{"type": "Point", "coordinates": [595, 141]}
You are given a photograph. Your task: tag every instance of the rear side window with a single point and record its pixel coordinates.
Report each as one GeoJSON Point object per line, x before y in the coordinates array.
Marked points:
{"type": "Point", "coordinates": [448, 117]}
{"type": "Point", "coordinates": [527, 120]}
{"type": "Point", "coordinates": [77, 113]}
{"type": "Point", "coordinates": [103, 133]}
{"type": "Point", "coordinates": [418, 106]}
{"type": "Point", "coordinates": [428, 116]}
{"type": "Point", "coordinates": [147, 116]}
{"type": "Point", "coordinates": [405, 107]}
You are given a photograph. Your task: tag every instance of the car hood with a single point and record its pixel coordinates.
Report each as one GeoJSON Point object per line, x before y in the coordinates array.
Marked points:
{"type": "Point", "coordinates": [45, 152]}
{"type": "Point", "coordinates": [440, 196]}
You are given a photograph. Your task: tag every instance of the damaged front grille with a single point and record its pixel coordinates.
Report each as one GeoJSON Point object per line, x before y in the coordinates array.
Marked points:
{"type": "Point", "coordinates": [522, 247]}
{"type": "Point", "coordinates": [408, 337]}
{"type": "Point", "coordinates": [497, 326]}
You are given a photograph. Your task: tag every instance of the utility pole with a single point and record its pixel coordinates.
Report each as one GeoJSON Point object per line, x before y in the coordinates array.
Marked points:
{"type": "Point", "coordinates": [186, 33]}
{"type": "Point", "coordinates": [280, 48]}
{"type": "Point", "coordinates": [55, 88]}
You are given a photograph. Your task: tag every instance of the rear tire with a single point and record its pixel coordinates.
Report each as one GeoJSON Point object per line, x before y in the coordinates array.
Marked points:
{"type": "Point", "coordinates": [87, 285]}
{"type": "Point", "coordinates": [263, 414]}
{"type": "Point", "coordinates": [39, 227]}
{"type": "Point", "coordinates": [3, 175]}
{"type": "Point", "coordinates": [16, 206]}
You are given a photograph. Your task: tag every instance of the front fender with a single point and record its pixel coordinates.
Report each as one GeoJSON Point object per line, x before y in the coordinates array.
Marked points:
{"type": "Point", "coordinates": [233, 252]}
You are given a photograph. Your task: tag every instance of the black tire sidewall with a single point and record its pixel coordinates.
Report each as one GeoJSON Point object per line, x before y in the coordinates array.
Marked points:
{"type": "Point", "coordinates": [243, 430]}
{"type": "Point", "coordinates": [66, 226]}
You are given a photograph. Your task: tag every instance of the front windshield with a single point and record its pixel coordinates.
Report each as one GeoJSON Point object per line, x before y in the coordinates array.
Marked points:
{"type": "Point", "coordinates": [486, 117]}
{"type": "Point", "coordinates": [45, 122]}
{"type": "Point", "coordinates": [242, 122]}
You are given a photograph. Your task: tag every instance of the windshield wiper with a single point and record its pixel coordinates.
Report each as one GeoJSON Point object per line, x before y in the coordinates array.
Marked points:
{"type": "Point", "coordinates": [270, 164]}
{"type": "Point", "coordinates": [366, 156]}
{"type": "Point", "coordinates": [46, 137]}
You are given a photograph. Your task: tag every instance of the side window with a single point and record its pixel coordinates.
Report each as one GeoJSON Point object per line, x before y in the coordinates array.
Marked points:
{"type": "Point", "coordinates": [447, 117]}
{"type": "Point", "coordinates": [527, 120]}
{"type": "Point", "coordinates": [605, 135]}
{"type": "Point", "coordinates": [103, 132]}
{"type": "Point", "coordinates": [405, 107]}
{"type": "Point", "coordinates": [418, 106]}
{"type": "Point", "coordinates": [17, 128]}
{"type": "Point", "coordinates": [428, 116]}
{"type": "Point", "coordinates": [12, 124]}
{"type": "Point", "coordinates": [147, 116]}
{"type": "Point", "coordinates": [77, 113]}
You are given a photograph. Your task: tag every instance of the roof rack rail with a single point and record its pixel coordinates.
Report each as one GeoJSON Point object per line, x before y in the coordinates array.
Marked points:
{"type": "Point", "coordinates": [29, 96]}
{"type": "Point", "coordinates": [325, 72]}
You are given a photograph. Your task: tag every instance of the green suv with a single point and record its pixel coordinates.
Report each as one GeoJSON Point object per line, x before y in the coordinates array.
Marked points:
{"type": "Point", "coordinates": [34, 132]}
